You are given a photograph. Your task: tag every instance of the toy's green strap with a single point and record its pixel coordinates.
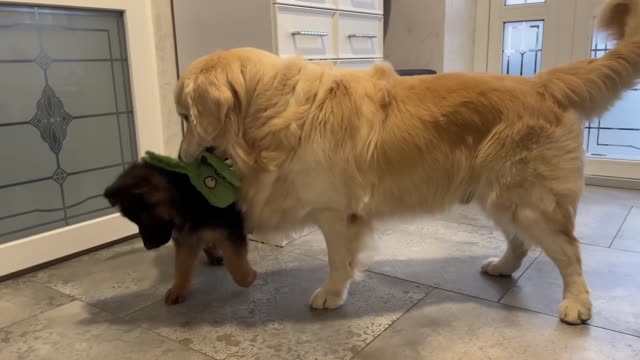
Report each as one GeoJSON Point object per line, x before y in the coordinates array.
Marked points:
{"type": "Point", "coordinates": [223, 168]}
{"type": "Point", "coordinates": [165, 162]}
{"type": "Point", "coordinates": [211, 176]}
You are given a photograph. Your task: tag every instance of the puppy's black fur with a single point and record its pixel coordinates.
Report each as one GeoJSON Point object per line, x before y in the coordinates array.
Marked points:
{"type": "Point", "coordinates": [161, 202]}
{"type": "Point", "coordinates": [165, 205]}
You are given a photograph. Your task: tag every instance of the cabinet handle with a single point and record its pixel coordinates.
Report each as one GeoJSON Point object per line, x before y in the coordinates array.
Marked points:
{"type": "Point", "coordinates": [310, 33]}
{"type": "Point", "coordinates": [362, 35]}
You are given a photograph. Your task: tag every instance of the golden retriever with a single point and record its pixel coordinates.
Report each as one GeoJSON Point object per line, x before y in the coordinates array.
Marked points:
{"type": "Point", "coordinates": [340, 148]}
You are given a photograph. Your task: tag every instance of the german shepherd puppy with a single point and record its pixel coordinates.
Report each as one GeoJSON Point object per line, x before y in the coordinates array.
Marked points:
{"type": "Point", "coordinates": [165, 205]}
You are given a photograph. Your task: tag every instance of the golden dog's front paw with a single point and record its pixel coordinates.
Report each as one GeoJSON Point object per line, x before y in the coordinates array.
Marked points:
{"type": "Point", "coordinates": [328, 299]}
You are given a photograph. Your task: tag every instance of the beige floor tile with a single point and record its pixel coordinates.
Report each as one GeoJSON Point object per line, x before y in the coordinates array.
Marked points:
{"type": "Point", "coordinates": [433, 252]}
{"type": "Point", "coordinates": [79, 331]}
{"type": "Point", "coordinates": [272, 319]}
{"type": "Point", "coordinates": [629, 236]}
{"type": "Point", "coordinates": [607, 195]}
{"type": "Point", "coordinates": [21, 299]}
{"type": "Point", "coordinates": [125, 277]}
{"type": "Point", "coordinates": [598, 222]}
{"type": "Point", "coordinates": [614, 280]}
{"type": "Point", "coordinates": [451, 326]}
{"type": "Point", "coordinates": [470, 214]}
{"type": "Point", "coordinates": [119, 279]}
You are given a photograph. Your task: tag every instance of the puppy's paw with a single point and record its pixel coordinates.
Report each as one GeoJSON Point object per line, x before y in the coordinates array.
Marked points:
{"type": "Point", "coordinates": [494, 267]}
{"type": "Point", "coordinates": [328, 299]}
{"type": "Point", "coordinates": [575, 310]}
{"type": "Point", "coordinates": [175, 297]}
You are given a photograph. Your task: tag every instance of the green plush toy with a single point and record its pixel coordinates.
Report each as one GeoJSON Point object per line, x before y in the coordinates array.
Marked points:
{"type": "Point", "coordinates": [213, 177]}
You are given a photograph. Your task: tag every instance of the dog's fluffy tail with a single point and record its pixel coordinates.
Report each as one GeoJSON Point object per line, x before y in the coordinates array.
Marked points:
{"type": "Point", "coordinates": [590, 87]}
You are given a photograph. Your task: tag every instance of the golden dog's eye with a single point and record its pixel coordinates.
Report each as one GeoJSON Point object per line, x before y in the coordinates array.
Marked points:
{"type": "Point", "coordinates": [184, 117]}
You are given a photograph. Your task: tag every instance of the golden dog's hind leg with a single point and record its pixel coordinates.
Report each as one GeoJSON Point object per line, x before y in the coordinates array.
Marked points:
{"type": "Point", "coordinates": [514, 254]}
{"type": "Point", "coordinates": [555, 236]}
{"type": "Point", "coordinates": [345, 237]}
{"type": "Point", "coordinates": [510, 261]}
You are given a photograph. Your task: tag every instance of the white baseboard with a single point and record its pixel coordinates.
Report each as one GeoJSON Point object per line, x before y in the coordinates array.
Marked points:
{"type": "Point", "coordinates": [35, 250]}
{"type": "Point", "coordinates": [621, 183]}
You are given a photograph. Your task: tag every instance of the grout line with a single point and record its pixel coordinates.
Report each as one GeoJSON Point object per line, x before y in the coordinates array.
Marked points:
{"type": "Point", "coordinates": [136, 325]}
{"type": "Point", "coordinates": [393, 322]}
{"type": "Point", "coordinates": [519, 277]}
{"type": "Point", "coordinates": [609, 248]}
{"type": "Point", "coordinates": [467, 224]}
{"type": "Point", "coordinates": [620, 228]}
{"type": "Point", "coordinates": [432, 286]}
{"type": "Point", "coordinates": [569, 325]}
{"type": "Point", "coordinates": [530, 265]}
{"type": "Point", "coordinates": [405, 280]}
{"type": "Point", "coordinates": [126, 315]}
{"type": "Point", "coordinates": [545, 314]}
{"type": "Point", "coordinates": [76, 298]}
{"type": "Point", "coordinates": [71, 299]}
{"type": "Point", "coordinates": [420, 283]}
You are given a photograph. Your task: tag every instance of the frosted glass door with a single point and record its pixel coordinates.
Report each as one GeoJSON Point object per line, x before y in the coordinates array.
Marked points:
{"type": "Point", "coordinates": [66, 118]}
{"type": "Point", "coordinates": [527, 36]}
{"type": "Point", "coordinates": [79, 99]}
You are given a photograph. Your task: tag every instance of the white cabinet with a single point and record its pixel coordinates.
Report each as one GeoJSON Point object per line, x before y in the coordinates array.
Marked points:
{"type": "Point", "coordinates": [305, 31]}
{"type": "Point", "coordinates": [324, 29]}
{"type": "Point", "coordinates": [359, 35]}
{"type": "Point", "coordinates": [314, 29]}
{"type": "Point", "coordinates": [368, 6]}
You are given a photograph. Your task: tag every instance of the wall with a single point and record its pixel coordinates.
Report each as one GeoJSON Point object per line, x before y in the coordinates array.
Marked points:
{"type": "Point", "coordinates": [433, 34]}
{"type": "Point", "coordinates": [204, 26]}
{"type": "Point", "coordinates": [414, 37]}
{"type": "Point", "coordinates": [459, 29]}
{"type": "Point", "coordinates": [167, 73]}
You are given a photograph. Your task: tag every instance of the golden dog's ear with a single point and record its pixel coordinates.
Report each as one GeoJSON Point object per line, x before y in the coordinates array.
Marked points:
{"type": "Point", "coordinates": [214, 98]}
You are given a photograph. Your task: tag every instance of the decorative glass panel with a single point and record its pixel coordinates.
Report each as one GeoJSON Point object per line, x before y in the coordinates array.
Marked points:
{"type": "Point", "coordinates": [522, 2]}
{"type": "Point", "coordinates": [522, 48]}
{"type": "Point", "coordinates": [66, 118]}
{"type": "Point", "coordinates": [615, 135]}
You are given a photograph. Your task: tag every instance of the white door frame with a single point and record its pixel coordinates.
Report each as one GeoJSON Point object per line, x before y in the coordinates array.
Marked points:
{"type": "Point", "coordinates": [41, 248]}
{"type": "Point", "coordinates": [491, 14]}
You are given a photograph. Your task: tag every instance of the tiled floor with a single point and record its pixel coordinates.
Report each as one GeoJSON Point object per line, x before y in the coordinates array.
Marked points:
{"type": "Point", "coordinates": [423, 298]}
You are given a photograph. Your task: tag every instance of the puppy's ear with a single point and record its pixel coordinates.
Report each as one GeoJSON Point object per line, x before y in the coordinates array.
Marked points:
{"type": "Point", "coordinates": [127, 185]}
{"type": "Point", "coordinates": [155, 234]}
{"type": "Point", "coordinates": [115, 192]}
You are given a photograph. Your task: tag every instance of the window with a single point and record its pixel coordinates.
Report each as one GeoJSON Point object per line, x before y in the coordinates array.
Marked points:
{"type": "Point", "coordinates": [615, 135]}
{"type": "Point", "coordinates": [522, 47]}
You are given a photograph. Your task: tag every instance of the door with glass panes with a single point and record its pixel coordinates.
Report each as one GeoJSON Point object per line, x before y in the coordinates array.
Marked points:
{"type": "Point", "coordinates": [527, 36]}
{"type": "Point", "coordinates": [79, 101]}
